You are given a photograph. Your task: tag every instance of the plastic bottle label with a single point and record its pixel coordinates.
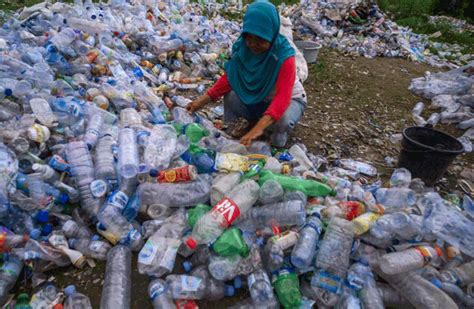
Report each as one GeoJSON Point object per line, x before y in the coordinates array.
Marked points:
{"type": "Point", "coordinates": [148, 253]}
{"type": "Point", "coordinates": [327, 281]}
{"type": "Point", "coordinates": [119, 199]}
{"type": "Point", "coordinates": [157, 289]}
{"type": "Point", "coordinates": [228, 209]}
{"type": "Point", "coordinates": [425, 253]}
{"type": "Point", "coordinates": [180, 174]}
{"type": "Point", "coordinates": [190, 283]}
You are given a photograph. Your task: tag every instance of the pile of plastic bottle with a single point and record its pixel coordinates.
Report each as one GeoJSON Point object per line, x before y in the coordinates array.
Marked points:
{"type": "Point", "coordinates": [99, 159]}
{"type": "Point", "coordinates": [337, 24]}
{"type": "Point", "coordinates": [451, 92]}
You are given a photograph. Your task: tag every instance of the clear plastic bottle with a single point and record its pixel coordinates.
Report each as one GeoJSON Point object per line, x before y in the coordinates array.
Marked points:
{"type": "Point", "coordinates": [192, 287]}
{"type": "Point", "coordinates": [95, 249]}
{"type": "Point", "coordinates": [361, 278]}
{"type": "Point", "coordinates": [395, 199]}
{"type": "Point", "coordinates": [160, 294]}
{"type": "Point", "coordinates": [222, 184]}
{"type": "Point", "coordinates": [215, 289]}
{"type": "Point", "coordinates": [116, 292]}
{"type": "Point", "coordinates": [271, 192]}
{"type": "Point", "coordinates": [407, 260]}
{"type": "Point", "coordinates": [128, 153]}
{"type": "Point", "coordinates": [43, 112]}
{"type": "Point", "coordinates": [398, 223]}
{"type": "Point", "coordinates": [401, 178]}
{"type": "Point", "coordinates": [305, 249]}
{"type": "Point", "coordinates": [118, 229]}
{"type": "Point", "coordinates": [359, 167]}
{"type": "Point", "coordinates": [64, 38]}
{"type": "Point", "coordinates": [104, 159]}
{"type": "Point", "coordinates": [72, 229]}
{"type": "Point", "coordinates": [332, 260]}
{"type": "Point", "coordinates": [418, 291]}
{"type": "Point", "coordinates": [260, 288]}
{"type": "Point", "coordinates": [75, 300]}
{"type": "Point", "coordinates": [93, 130]}
{"type": "Point", "coordinates": [285, 213]}
{"type": "Point", "coordinates": [9, 273]}
{"type": "Point", "coordinates": [238, 201]}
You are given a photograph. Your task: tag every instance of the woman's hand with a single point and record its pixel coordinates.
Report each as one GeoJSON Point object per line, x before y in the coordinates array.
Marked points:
{"type": "Point", "coordinates": [251, 135]}
{"type": "Point", "coordinates": [256, 131]}
{"type": "Point", "coordinates": [198, 103]}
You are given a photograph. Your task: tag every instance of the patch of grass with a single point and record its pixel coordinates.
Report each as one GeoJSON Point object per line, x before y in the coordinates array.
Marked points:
{"type": "Point", "coordinates": [420, 24]}
{"type": "Point", "coordinates": [408, 8]}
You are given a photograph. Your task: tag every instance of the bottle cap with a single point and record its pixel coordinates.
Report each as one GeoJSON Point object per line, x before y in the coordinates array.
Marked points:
{"type": "Point", "coordinates": [70, 290]}
{"type": "Point", "coordinates": [153, 173]}
{"type": "Point", "coordinates": [35, 233]}
{"type": "Point", "coordinates": [187, 266]}
{"type": "Point", "coordinates": [238, 282]}
{"type": "Point", "coordinates": [191, 243]}
{"type": "Point", "coordinates": [42, 216]}
{"type": "Point", "coordinates": [437, 282]}
{"type": "Point", "coordinates": [8, 92]}
{"type": "Point", "coordinates": [47, 229]}
{"type": "Point", "coordinates": [229, 290]}
{"type": "Point", "coordinates": [63, 198]}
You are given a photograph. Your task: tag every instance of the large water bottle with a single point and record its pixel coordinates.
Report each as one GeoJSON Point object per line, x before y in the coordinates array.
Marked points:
{"type": "Point", "coordinates": [399, 223]}
{"type": "Point", "coordinates": [160, 294]}
{"type": "Point", "coordinates": [43, 112]}
{"type": "Point", "coordinates": [361, 279]}
{"type": "Point", "coordinates": [401, 178]}
{"type": "Point", "coordinates": [93, 130]}
{"type": "Point", "coordinates": [238, 201]}
{"type": "Point", "coordinates": [462, 275]}
{"type": "Point", "coordinates": [104, 159]}
{"type": "Point", "coordinates": [224, 268]}
{"type": "Point", "coordinates": [9, 273]}
{"type": "Point", "coordinates": [411, 259]}
{"type": "Point", "coordinates": [260, 288]}
{"type": "Point", "coordinates": [82, 169]}
{"type": "Point", "coordinates": [395, 199]}
{"type": "Point", "coordinates": [450, 225]}
{"type": "Point", "coordinates": [75, 299]}
{"type": "Point", "coordinates": [222, 184]}
{"type": "Point", "coordinates": [418, 291]}
{"type": "Point", "coordinates": [332, 260]}
{"type": "Point", "coordinates": [128, 153]}
{"type": "Point", "coordinates": [116, 292]}
{"type": "Point", "coordinates": [285, 213]}
{"type": "Point", "coordinates": [94, 249]}
{"type": "Point", "coordinates": [64, 38]}
{"type": "Point", "coordinates": [305, 249]}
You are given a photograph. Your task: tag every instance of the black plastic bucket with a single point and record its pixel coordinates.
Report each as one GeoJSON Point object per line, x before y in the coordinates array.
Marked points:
{"type": "Point", "coordinates": [427, 153]}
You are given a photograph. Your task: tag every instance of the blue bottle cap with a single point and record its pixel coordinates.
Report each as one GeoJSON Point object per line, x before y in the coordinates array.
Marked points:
{"type": "Point", "coordinates": [47, 229]}
{"type": "Point", "coordinates": [153, 173]}
{"type": "Point", "coordinates": [437, 282]}
{"type": "Point", "coordinates": [35, 234]}
{"type": "Point", "coordinates": [8, 92]}
{"type": "Point", "coordinates": [63, 198]}
{"type": "Point", "coordinates": [70, 290]}
{"type": "Point", "coordinates": [187, 266]}
{"type": "Point", "coordinates": [42, 216]}
{"type": "Point", "coordinates": [229, 290]}
{"type": "Point", "coordinates": [238, 282]}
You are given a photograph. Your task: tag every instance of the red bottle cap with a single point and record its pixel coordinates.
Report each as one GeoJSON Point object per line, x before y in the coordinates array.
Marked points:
{"type": "Point", "coordinates": [191, 243]}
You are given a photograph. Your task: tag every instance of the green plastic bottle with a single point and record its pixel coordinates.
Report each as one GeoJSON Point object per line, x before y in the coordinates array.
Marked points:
{"type": "Point", "coordinates": [23, 301]}
{"type": "Point", "coordinates": [309, 187]}
{"type": "Point", "coordinates": [197, 212]}
{"type": "Point", "coordinates": [287, 287]}
{"type": "Point", "coordinates": [195, 132]}
{"type": "Point", "coordinates": [254, 170]}
{"type": "Point", "coordinates": [231, 243]}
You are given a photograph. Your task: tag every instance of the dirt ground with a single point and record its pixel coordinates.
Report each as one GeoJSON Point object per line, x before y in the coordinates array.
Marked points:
{"type": "Point", "coordinates": [354, 106]}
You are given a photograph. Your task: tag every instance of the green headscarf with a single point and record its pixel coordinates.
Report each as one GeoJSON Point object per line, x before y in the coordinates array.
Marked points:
{"type": "Point", "coordinates": [253, 76]}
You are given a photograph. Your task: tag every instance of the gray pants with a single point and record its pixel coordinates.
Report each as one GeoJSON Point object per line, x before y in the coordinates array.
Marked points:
{"type": "Point", "coordinates": [235, 108]}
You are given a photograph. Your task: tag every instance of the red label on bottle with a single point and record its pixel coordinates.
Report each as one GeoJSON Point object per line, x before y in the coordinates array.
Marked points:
{"type": "Point", "coordinates": [180, 174]}
{"type": "Point", "coordinates": [228, 209]}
